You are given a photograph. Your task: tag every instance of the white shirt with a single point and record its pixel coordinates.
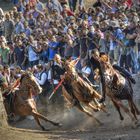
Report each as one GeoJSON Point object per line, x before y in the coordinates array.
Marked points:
{"type": "Point", "coordinates": [41, 80]}
{"type": "Point", "coordinates": [86, 70]}
{"type": "Point", "coordinates": [32, 54]}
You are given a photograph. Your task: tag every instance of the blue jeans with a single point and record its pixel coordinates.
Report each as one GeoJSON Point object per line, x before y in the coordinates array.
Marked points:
{"type": "Point", "coordinates": [134, 61]}
{"type": "Point", "coordinates": [72, 4]}
{"type": "Point", "coordinates": [81, 3]}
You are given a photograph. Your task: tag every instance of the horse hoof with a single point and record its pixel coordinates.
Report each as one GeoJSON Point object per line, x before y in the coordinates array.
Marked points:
{"type": "Point", "coordinates": [96, 110]}
{"type": "Point", "coordinates": [59, 124]}
{"type": "Point", "coordinates": [108, 114]}
{"type": "Point", "coordinates": [121, 118]}
{"type": "Point", "coordinates": [43, 128]}
{"type": "Point", "coordinates": [101, 124]}
{"type": "Point", "coordinates": [134, 126]}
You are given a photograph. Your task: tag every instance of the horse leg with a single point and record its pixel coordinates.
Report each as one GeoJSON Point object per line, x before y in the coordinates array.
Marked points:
{"type": "Point", "coordinates": [136, 109]}
{"type": "Point", "coordinates": [118, 109]}
{"type": "Point", "coordinates": [95, 108]}
{"type": "Point", "coordinates": [88, 113]}
{"type": "Point", "coordinates": [38, 122]}
{"type": "Point", "coordinates": [126, 110]}
{"type": "Point", "coordinates": [132, 109]}
{"type": "Point", "coordinates": [45, 118]}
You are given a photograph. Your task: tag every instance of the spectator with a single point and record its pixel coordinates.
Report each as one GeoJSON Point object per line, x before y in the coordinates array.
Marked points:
{"type": "Point", "coordinates": [4, 53]}
{"type": "Point", "coordinates": [8, 27]}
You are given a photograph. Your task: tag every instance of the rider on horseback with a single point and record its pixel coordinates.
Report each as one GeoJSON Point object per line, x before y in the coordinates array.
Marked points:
{"type": "Point", "coordinates": [6, 90]}
{"type": "Point", "coordinates": [95, 63]}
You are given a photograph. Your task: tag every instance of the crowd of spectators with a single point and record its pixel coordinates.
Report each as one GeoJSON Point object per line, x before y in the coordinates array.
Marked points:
{"type": "Point", "coordinates": [32, 33]}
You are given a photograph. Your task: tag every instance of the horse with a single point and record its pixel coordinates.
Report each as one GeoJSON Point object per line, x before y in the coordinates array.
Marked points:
{"type": "Point", "coordinates": [78, 91]}
{"type": "Point", "coordinates": [23, 103]}
{"type": "Point", "coordinates": [118, 88]}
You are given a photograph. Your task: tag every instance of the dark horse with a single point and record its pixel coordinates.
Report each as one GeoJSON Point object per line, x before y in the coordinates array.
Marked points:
{"type": "Point", "coordinates": [23, 103]}
{"type": "Point", "coordinates": [118, 88]}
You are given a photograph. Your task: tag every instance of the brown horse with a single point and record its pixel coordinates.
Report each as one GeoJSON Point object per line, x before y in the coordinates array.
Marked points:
{"type": "Point", "coordinates": [24, 104]}
{"type": "Point", "coordinates": [118, 88]}
{"type": "Point", "coordinates": [78, 91]}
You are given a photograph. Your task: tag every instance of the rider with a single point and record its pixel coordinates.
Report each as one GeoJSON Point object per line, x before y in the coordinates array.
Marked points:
{"type": "Point", "coordinates": [94, 60]}
{"type": "Point", "coordinates": [95, 64]}
{"type": "Point", "coordinates": [6, 89]}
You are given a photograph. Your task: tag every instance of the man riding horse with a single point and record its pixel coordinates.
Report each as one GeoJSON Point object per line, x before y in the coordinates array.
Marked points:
{"type": "Point", "coordinates": [6, 91]}
{"type": "Point", "coordinates": [95, 63]}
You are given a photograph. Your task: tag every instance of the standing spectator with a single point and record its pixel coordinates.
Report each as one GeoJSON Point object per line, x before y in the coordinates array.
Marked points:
{"type": "Point", "coordinates": [15, 2]}
{"type": "Point", "coordinates": [8, 27]}
{"type": "Point", "coordinates": [4, 53]}
{"type": "Point", "coordinates": [19, 27]}
{"type": "Point", "coordinates": [19, 54]}
{"type": "Point", "coordinates": [131, 36]}
{"type": "Point", "coordinates": [32, 3]}
{"type": "Point", "coordinates": [39, 5]}
{"type": "Point", "coordinates": [31, 21]}
{"type": "Point", "coordinates": [54, 4]}
{"type": "Point", "coordinates": [27, 29]}
{"type": "Point", "coordinates": [33, 56]}
{"type": "Point", "coordinates": [63, 2]}
{"type": "Point", "coordinates": [1, 21]}
{"type": "Point", "coordinates": [72, 5]}
{"type": "Point", "coordinates": [53, 47]}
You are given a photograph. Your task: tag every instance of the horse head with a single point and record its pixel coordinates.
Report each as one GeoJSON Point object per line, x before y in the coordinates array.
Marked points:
{"type": "Point", "coordinates": [69, 67]}
{"type": "Point", "coordinates": [28, 79]}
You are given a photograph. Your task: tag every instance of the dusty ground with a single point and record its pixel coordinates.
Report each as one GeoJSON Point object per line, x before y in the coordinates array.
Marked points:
{"type": "Point", "coordinates": [76, 125]}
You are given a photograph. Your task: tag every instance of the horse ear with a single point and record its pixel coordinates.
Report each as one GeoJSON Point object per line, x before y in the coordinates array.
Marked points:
{"type": "Point", "coordinates": [74, 62]}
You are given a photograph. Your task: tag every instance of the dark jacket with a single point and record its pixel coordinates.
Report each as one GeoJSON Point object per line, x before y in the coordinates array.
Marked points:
{"type": "Point", "coordinates": [95, 64]}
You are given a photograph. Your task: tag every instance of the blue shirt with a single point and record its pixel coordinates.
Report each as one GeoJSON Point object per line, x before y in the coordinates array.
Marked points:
{"type": "Point", "coordinates": [52, 49]}
{"type": "Point", "coordinates": [118, 34]}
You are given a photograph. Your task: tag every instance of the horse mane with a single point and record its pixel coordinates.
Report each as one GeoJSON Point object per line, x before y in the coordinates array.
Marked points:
{"type": "Point", "coordinates": [26, 74]}
{"type": "Point", "coordinates": [104, 58]}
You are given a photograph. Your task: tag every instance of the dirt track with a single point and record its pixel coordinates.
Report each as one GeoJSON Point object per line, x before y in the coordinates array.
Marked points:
{"type": "Point", "coordinates": [76, 126]}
